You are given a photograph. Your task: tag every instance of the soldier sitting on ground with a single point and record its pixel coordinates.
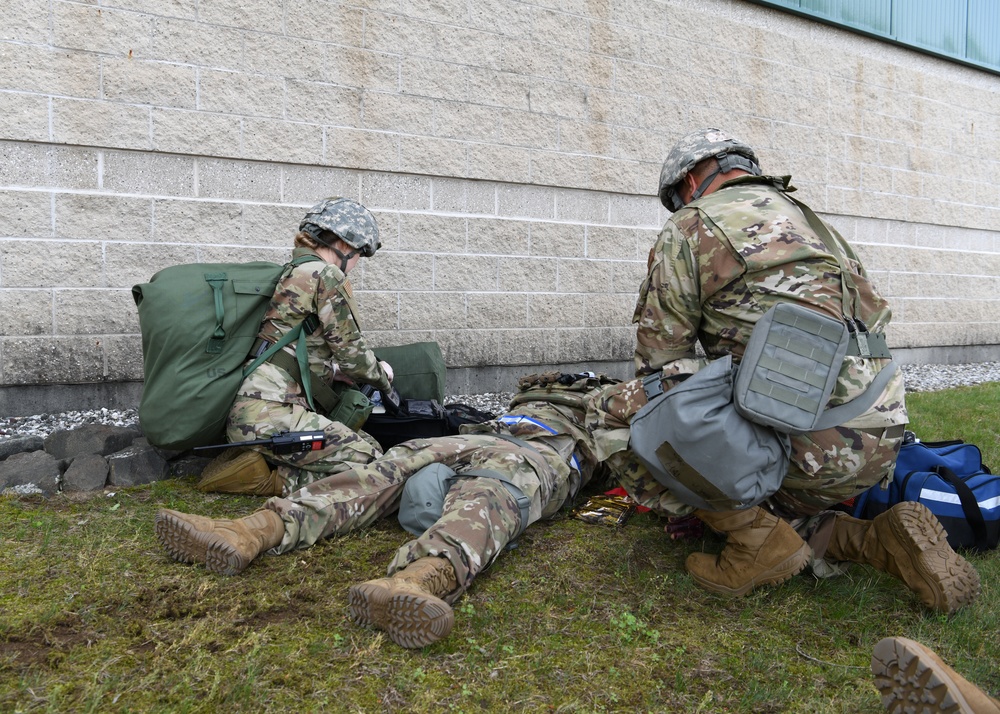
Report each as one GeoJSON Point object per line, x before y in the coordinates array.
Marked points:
{"type": "Point", "coordinates": [488, 487]}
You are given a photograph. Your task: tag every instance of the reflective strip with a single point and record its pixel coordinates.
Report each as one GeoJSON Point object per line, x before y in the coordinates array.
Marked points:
{"type": "Point", "coordinates": [945, 497]}
{"type": "Point", "coordinates": [514, 419]}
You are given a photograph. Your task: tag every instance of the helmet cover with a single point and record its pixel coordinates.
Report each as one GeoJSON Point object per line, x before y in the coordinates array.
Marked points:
{"type": "Point", "coordinates": [694, 148]}
{"type": "Point", "coordinates": [348, 220]}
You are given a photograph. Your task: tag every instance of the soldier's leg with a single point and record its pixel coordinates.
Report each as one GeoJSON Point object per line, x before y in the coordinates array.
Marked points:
{"type": "Point", "coordinates": [259, 419]}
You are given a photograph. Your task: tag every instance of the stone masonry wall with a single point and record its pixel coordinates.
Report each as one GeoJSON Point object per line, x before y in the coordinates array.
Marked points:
{"type": "Point", "coordinates": [509, 149]}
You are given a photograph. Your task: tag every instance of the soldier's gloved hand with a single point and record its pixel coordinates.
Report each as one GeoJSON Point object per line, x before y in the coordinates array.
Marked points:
{"type": "Point", "coordinates": [388, 369]}
{"type": "Point", "coordinates": [391, 401]}
{"type": "Point", "coordinates": [684, 527]}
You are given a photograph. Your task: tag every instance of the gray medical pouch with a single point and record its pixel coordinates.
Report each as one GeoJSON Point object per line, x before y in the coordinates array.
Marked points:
{"type": "Point", "coordinates": [422, 501]}
{"type": "Point", "coordinates": [693, 441]}
{"type": "Point", "coordinates": [790, 367]}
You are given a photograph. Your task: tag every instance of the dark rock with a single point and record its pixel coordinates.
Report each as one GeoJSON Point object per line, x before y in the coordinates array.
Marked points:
{"type": "Point", "coordinates": [189, 465]}
{"type": "Point", "coordinates": [87, 472]}
{"type": "Point", "coordinates": [30, 467]}
{"type": "Point", "coordinates": [136, 465]}
{"type": "Point", "coordinates": [90, 439]}
{"type": "Point", "coordinates": [18, 445]}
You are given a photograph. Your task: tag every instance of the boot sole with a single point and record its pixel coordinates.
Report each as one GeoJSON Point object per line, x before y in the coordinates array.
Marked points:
{"type": "Point", "coordinates": [222, 558]}
{"type": "Point", "coordinates": [785, 570]}
{"type": "Point", "coordinates": [912, 684]}
{"type": "Point", "coordinates": [411, 621]}
{"type": "Point", "coordinates": [952, 580]}
{"type": "Point", "coordinates": [182, 541]}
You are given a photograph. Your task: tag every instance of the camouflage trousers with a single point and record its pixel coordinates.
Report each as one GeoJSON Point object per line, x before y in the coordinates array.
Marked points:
{"type": "Point", "coordinates": [825, 467]}
{"type": "Point", "coordinates": [478, 520]}
{"type": "Point", "coordinates": [251, 419]}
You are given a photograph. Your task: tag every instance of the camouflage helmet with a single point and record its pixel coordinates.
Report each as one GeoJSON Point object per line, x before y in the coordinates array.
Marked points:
{"type": "Point", "coordinates": [694, 148]}
{"type": "Point", "coordinates": [348, 220]}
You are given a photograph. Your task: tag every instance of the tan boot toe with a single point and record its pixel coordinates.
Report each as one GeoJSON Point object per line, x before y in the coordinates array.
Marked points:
{"type": "Point", "coordinates": [411, 616]}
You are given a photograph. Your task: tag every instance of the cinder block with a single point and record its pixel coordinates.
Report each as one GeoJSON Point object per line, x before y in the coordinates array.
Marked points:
{"type": "Point", "coordinates": [641, 79]}
{"type": "Point", "coordinates": [461, 196]}
{"type": "Point", "coordinates": [35, 68]}
{"type": "Point", "coordinates": [527, 347]}
{"type": "Point", "coordinates": [25, 213]}
{"type": "Point", "coordinates": [40, 165]}
{"type": "Point", "coordinates": [526, 201]}
{"type": "Point", "coordinates": [124, 357]}
{"type": "Point", "coordinates": [178, 221]}
{"type": "Point", "coordinates": [496, 310]}
{"type": "Point", "coordinates": [305, 185]}
{"type": "Point", "coordinates": [584, 276]}
{"type": "Point", "coordinates": [146, 173]}
{"type": "Point", "coordinates": [465, 272]}
{"type": "Point", "coordinates": [560, 29]}
{"type": "Point", "coordinates": [619, 176]}
{"type": "Point", "coordinates": [498, 236]}
{"type": "Point", "coordinates": [95, 312]}
{"type": "Point", "coordinates": [87, 122]}
{"type": "Point", "coordinates": [500, 89]}
{"type": "Point", "coordinates": [435, 234]}
{"type": "Point", "coordinates": [558, 98]}
{"type": "Point", "coordinates": [582, 206]}
{"type": "Point", "coordinates": [555, 310]}
{"type": "Point", "coordinates": [229, 254]}
{"type": "Point", "coordinates": [249, 181]}
{"type": "Point", "coordinates": [67, 264]}
{"type": "Point", "coordinates": [398, 271]}
{"type": "Point", "coordinates": [388, 231]}
{"type": "Point", "coordinates": [198, 133]}
{"type": "Point", "coordinates": [612, 242]}
{"type": "Point", "coordinates": [499, 163]}
{"type": "Point", "coordinates": [471, 123]}
{"type": "Point", "coordinates": [609, 309]}
{"type": "Point", "coordinates": [161, 8]}
{"type": "Point", "coordinates": [52, 360]}
{"type": "Point", "coordinates": [391, 338]}
{"type": "Point", "coordinates": [372, 71]}
{"type": "Point", "coordinates": [369, 150]}
{"type": "Point", "coordinates": [25, 312]}
{"type": "Point", "coordinates": [514, 17]}
{"type": "Point", "coordinates": [557, 239]}
{"type": "Point", "coordinates": [26, 21]}
{"type": "Point", "coordinates": [558, 169]}
{"type": "Point", "coordinates": [276, 141]}
{"type": "Point", "coordinates": [292, 58]}
{"type": "Point", "coordinates": [392, 112]}
{"type": "Point", "coordinates": [101, 29]}
{"type": "Point", "coordinates": [469, 348]}
{"type": "Point", "coordinates": [143, 82]}
{"type": "Point", "coordinates": [378, 310]}
{"type": "Point", "coordinates": [627, 276]}
{"type": "Point", "coordinates": [130, 264]}
{"type": "Point", "coordinates": [432, 311]}
{"type": "Point", "coordinates": [393, 191]}
{"type": "Point", "coordinates": [24, 117]}
{"type": "Point", "coordinates": [640, 211]}
{"type": "Point", "coordinates": [316, 102]}
{"type": "Point", "coordinates": [433, 156]}
{"type": "Point", "coordinates": [238, 93]}
{"type": "Point", "coordinates": [528, 274]}
{"type": "Point", "coordinates": [95, 217]}
{"type": "Point", "coordinates": [430, 78]}
{"type": "Point", "coordinates": [615, 40]}
{"type": "Point", "coordinates": [187, 42]}
{"type": "Point", "coordinates": [271, 226]}
{"type": "Point", "coordinates": [336, 24]}
{"type": "Point", "coordinates": [248, 14]}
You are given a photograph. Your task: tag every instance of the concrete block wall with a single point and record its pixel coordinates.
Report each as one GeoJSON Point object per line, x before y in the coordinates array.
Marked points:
{"type": "Point", "coordinates": [510, 150]}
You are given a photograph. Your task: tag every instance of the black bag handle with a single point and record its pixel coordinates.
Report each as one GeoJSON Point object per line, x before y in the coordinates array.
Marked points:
{"type": "Point", "coordinates": [973, 514]}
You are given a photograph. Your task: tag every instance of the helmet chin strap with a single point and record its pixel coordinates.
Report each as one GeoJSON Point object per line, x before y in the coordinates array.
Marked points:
{"type": "Point", "coordinates": [344, 259]}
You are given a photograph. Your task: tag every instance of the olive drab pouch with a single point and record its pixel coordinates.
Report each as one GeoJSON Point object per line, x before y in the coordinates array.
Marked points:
{"type": "Point", "coordinates": [790, 368]}
{"type": "Point", "coordinates": [692, 440]}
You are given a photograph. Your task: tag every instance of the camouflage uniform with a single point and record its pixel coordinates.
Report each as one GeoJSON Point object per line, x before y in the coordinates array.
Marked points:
{"type": "Point", "coordinates": [270, 401]}
{"type": "Point", "coordinates": [718, 265]}
{"type": "Point", "coordinates": [480, 516]}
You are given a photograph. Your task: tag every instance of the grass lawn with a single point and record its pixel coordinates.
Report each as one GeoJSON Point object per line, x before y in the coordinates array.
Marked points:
{"type": "Point", "coordinates": [577, 618]}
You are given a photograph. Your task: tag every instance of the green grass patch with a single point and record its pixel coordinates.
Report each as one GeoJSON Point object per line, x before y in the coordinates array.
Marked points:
{"type": "Point", "coordinates": [576, 618]}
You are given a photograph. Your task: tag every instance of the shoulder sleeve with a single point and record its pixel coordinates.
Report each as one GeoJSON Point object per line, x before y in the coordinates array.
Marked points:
{"type": "Point", "coordinates": [668, 312]}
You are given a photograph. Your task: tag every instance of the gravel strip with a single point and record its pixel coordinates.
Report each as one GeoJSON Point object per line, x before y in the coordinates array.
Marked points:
{"type": "Point", "coordinates": [919, 378]}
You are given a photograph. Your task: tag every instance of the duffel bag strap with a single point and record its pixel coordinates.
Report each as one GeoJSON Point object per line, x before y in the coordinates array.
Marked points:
{"type": "Point", "coordinates": [973, 513]}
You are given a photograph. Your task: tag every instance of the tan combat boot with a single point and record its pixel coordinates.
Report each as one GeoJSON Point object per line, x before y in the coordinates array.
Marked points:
{"type": "Point", "coordinates": [911, 678]}
{"type": "Point", "coordinates": [239, 470]}
{"type": "Point", "coordinates": [408, 605]}
{"type": "Point", "coordinates": [908, 542]}
{"type": "Point", "coordinates": [225, 547]}
{"type": "Point", "coordinates": [761, 549]}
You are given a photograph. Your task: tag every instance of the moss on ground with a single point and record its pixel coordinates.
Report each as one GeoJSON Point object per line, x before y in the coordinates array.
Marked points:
{"type": "Point", "coordinates": [576, 618]}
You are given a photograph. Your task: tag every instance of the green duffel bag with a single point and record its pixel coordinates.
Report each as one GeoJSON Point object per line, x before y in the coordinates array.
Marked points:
{"type": "Point", "coordinates": [418, 370]}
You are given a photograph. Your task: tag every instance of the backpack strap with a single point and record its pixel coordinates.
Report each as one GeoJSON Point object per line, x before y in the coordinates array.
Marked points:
{"type": "Point", "coordinates": [973, 513]}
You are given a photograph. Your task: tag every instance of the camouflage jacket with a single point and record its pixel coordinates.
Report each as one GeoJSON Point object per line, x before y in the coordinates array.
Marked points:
{"type": "Point", "coordinates": [725, 259]}
{"type": "Point", "coordinates": [337, 347]}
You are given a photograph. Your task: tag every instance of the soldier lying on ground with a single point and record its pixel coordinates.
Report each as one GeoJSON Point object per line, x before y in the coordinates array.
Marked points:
{"type": "Point", "coordinates": [522, 467]}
